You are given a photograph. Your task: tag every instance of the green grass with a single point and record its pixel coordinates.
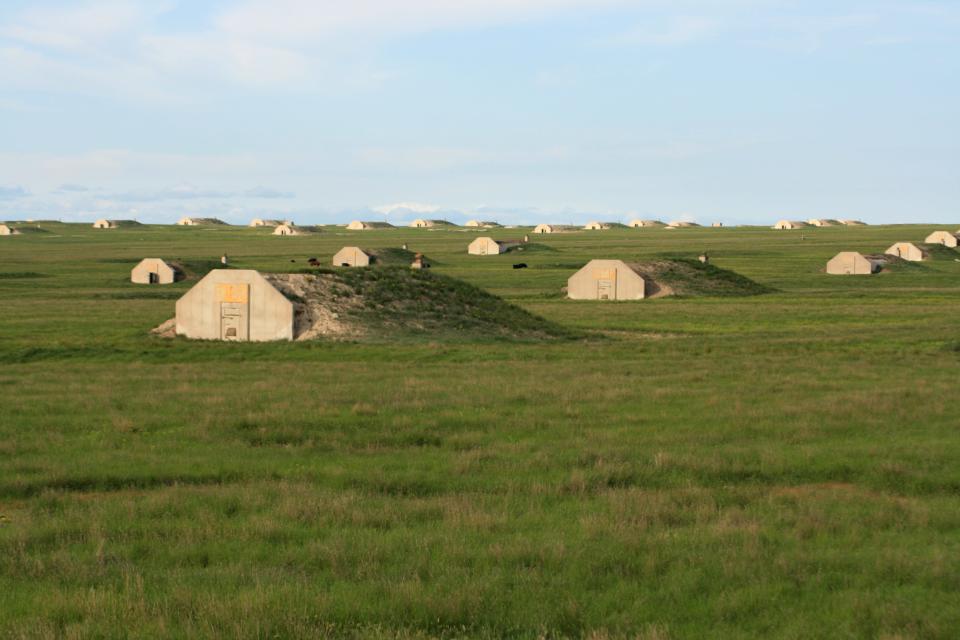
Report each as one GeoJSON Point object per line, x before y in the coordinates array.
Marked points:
{"type": "Point", "coordinates": [781, 465]}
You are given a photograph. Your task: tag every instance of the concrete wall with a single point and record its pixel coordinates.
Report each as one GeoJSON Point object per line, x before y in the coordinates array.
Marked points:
{"type": "Point", "coordinates": [7, 231]}
{"type": "Point", "coordinates": [850, 263]}
{"type": "Point", "coordinates": [484, 246]}
{"type": "Point", "coordinates": [237, 301]}
{"type": "Point", "coordinates": [945, 238]}
{"type": "Point", "coordinates": [351, 257]}
{"type": "Point", "coordinates": [165, 274]}
{"type": "Point", "coordinates": [907, 251]}
{"type": "Point", "coordinates": [606, 280]}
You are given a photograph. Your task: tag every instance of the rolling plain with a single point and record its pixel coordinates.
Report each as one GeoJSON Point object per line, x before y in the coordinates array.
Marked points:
{"type": "Point", "coordinates": [780, 465]}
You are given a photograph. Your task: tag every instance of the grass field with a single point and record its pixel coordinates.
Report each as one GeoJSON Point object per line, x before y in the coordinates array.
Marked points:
{"type": "Point", "coordinates": [778, 466]}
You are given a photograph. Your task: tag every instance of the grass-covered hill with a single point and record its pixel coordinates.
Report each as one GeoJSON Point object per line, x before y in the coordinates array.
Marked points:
{"type": "Point", "coordinates": [393, 302]}
{"type": "Point", "coordinates": [690, 277]}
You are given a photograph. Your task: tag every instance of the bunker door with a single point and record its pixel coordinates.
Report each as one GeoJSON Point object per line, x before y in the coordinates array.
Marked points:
{"type": "Point", "coordinates": [234, 312]}
{"type": "Point", "coordinates": [606, 284]}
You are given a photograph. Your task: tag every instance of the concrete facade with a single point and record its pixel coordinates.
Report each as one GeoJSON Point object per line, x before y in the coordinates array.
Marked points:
{"type": "Point", "coordinates": [288, 230]}
{"type": "Point", "coordinates": [637, 223]}
{"type": "Point", "coordinates": [8, 231]}
{"type": "Point", "coordinates": [606, 280]}
{"type": "Point", "coordinates": [850, 263]}
{"type": "Point", "coordinates": [554, 228]}
{"type": "Point", "coordinates": [598, 226]}
{"type": "Point", "coordinates": [352, 257]}
{"type": "Point", "coordinates": [486, 246]}
{"type": "Point", "coordinates": [790, 224]}
{"type": "Point", "coordinates": [481, 224]}
{"type": "Point", "coordinates": [681, 224]}
{"type": "Point", "coordinates": [822, 222]}
{"type": "Point", "coordinates": [362, 225]}
{"type": "Point", "coordinates": [187, 221]}
{"type": "Point", "coordinates": [420, 223]}
{"type": "Point", "coordinates": [235, 305]}
{"type": "Point", "coordinates": [263, 222]}
{"type": "Point", "coordinates": [153, 271]}
{"type": "Point", "coordinates": [907, 251]}
{"type": "Point", "coordinates": [945, 238]}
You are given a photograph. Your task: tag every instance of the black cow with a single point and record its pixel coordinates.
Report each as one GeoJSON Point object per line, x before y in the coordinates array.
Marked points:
{"type": "Point", "coordinates": [522, 265]}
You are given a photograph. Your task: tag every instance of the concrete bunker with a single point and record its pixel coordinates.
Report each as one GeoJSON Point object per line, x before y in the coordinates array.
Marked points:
{"type": "Point", "coordinates": [945, 238]}
{"type": "Point", "coordinates": [237, 305]}
{"type": "Point", "coordinates": [352, 257]}
{"type": "Point", "coordinates": [155, 271]}
{"type": "Point", "coordinates": [486, 246]}
{"type": "Point", "coordinates": [907, 251]}
{"type": "Point", "coordinates": [790, 224]}
{"type": "Point", "coordinates": [606, 280]}
{"type": "Point", "coordinates": [368, 225]}
{"type": "Point", "coordinates": [851, 263]}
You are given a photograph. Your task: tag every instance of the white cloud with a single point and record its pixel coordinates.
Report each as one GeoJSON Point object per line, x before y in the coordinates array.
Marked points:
{"type": "Point", "coordinates": [679, 31]}
{"type": "Point", "coordinates": [302, 20]}
{"type": "Point", "coordinates": [77, 27]}
{"type": "Point", "coordinates": [406, 207]}
{"type": "Point", "coordinates": [9, 193]}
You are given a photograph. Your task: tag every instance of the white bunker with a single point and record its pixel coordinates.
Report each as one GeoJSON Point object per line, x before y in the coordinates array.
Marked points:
{"type": "Point", "coordinates": [234, 305]}
{"type": "Point", "coordinates": [606, 280]}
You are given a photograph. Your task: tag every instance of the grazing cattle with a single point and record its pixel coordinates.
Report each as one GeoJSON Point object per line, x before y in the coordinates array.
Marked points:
{"type": "Point", "coordinates": [521, 265]}
{"type": "Point", "coordinates": [313, 262]}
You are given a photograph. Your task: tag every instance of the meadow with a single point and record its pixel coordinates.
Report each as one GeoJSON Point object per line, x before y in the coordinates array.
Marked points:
{"type": "Point", "coordinates": [778, 466]}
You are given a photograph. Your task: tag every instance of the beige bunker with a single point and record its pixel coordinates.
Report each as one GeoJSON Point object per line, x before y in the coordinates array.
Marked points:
{"type": "Point", "coordinates": [606, 280]}
{"type": "Point", "coordinates": [637, 223]}
{"type": "Point", "coordinates": [907, 251]}
{"type": "Point", "coordinates": [352, 257]}
{"type": "Point", "coordinates": [486, 246]}
{"type": "Point", "coordinates": [6, 230]}
{"type": "Point", "coordinates": [289, 229]}
{"type": "Point", "coordinates": [849, 263]}
{"type": "Point", "coordinates": [681, 224]}
{"type": "Point", "coordinates": [554, 228]}
{"type": "Point", "coordinates": [822, 222]}
{"type": "Point", "coordinates": [420, 223]}
{"type": "Point", "coordinates": [188, 221]}
{"type": "Point", "coordinates": [103, 223]}
{"type": "Point", "coordinates": [790, 224]}
{"type": "Point", "coordinates": [599, 226]}
{"type": "Point", "coordinates": [368, 225]}
{"type": "Point", "coordinates": [945, 238]}
{"type": "Point", "coordinates": [154, 271]}
{"type": "Point", "coordinates": [481, 224]}
{"type": "Point", "coordinates": [264, 222]}
{"type": "Point", "coordinates": [235, 305]}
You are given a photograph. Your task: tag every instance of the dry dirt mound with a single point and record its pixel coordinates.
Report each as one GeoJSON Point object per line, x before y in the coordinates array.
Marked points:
{"type": "Point", "coordinates": [318, 306]}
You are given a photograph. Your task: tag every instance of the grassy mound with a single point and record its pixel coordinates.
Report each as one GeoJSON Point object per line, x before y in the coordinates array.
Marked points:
{"type": "Point", "coordinates": [688, 277]}
{"type": "Point", "coordinates": [392, 256]}
{"type": "Point", "coordinates": [399, 301]}
{"type": "Point", "coordinates": [535, 247]}
{"type": "Point", "coordinates": [940, 252]}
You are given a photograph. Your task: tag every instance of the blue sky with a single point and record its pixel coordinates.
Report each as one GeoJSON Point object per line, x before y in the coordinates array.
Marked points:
{"type": "Point", "coordinates": [743, 111]}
